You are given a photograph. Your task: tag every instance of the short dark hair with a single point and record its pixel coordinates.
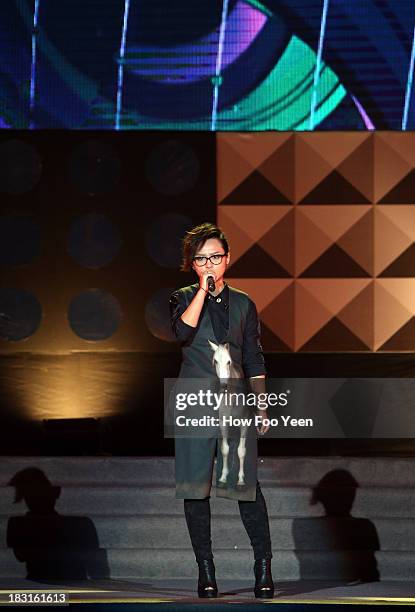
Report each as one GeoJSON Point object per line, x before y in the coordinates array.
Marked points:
{"type": "Point", "coordinates": [196, 238]}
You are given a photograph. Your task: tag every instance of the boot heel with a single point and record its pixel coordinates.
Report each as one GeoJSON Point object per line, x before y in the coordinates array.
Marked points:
{"type": "Point", "coordinates": [206, 586]}
{"type": "Point", "coordinates": [264, 585]}
{"type": "Point", "coordinates": [264, 593]}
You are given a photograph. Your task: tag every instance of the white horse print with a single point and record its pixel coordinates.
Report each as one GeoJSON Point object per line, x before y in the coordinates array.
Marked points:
{"type": "Point", "coordinates": [226, 371]}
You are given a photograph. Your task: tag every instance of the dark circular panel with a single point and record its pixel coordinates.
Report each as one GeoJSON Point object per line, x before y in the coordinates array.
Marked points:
{"type": "Point", "coordinates": [19, 240]}
{"type": "Point", "coordinates": [173, 167]}
{"type": "Point", "coordinates": [94, 167]}
{"type": "Point", "coordinates": [94, 315]}
{"type": "Point", "coordinates": [20, 167]}
{"type": "Point", "coordinates": [94, 241]}
{"type": "Point", "coordinates": [20, 314]}
{"type": "Point", "coordinates": [157, 315]}
{"type": "Point", "coordinates": [164, 239]}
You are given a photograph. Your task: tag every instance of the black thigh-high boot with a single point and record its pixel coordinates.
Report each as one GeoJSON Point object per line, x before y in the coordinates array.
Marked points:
{"type": "Point", "coordinates": [197, 513]}
{"type": "Point", "coordinates": [254, 516]}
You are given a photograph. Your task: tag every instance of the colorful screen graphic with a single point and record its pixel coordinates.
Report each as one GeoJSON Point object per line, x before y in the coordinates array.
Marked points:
{"type": "Point", "coordinates": [227, 65]}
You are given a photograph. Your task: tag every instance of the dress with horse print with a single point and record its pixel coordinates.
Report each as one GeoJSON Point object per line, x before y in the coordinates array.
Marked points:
{"type": "Point", "coordinates": [224, 346]}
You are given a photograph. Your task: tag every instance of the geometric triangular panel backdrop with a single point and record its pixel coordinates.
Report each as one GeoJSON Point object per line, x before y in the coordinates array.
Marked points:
{"type": "Point", "coordinates": [322, 232]}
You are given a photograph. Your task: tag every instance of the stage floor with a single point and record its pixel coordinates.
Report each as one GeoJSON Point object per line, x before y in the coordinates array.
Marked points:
{"type": "Point", "coordinates": [232, 591]}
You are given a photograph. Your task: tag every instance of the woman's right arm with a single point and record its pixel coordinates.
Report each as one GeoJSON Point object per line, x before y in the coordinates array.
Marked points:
{"type": "Point", "coordinates": [184, 320]}
{"type": "Point", "coordinates": [192, 313]}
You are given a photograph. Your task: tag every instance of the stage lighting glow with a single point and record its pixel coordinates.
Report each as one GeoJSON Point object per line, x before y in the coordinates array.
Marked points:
{"type": "Point", "coordinates": [70, 385]}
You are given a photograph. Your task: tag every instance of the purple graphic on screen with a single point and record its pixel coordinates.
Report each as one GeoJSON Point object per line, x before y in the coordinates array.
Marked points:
{"type": "Point", "coordinates": [366, 119]}
{"type": "Point", "coordinates": [197, 61]}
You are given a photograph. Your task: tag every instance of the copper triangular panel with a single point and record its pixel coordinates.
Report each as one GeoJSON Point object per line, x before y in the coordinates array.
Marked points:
{"type": "Point", "coordinates": [358, 315]}
{"type": "Point", "coordinates": [401, 215]}
{"type": "Point", "coordinates": [390, 240]}
{"type": "Point", "coordinates": [402, 290]}
{"type": "Point", "coordinates": [402, 142]}
{"type": "Point", "coordinates": [263, 291]}
{"type": "Point", "coordinates": [403, 266]}
{"type": "Point", "coordinates": [310, 241]}
{"type": "Point", "coordinates": [255, 190]}
{"type": "Point", "coordinates": [231, 169]}
{"type": "Point", "coordinates": [279, 169]}
{"type": "Point", "coordinates": [279, 316]}
{"type": "Point", "coordinates": [310, 315]}
{"type": "Point", "coordinates": [335, 148]}
{"type": "Point", "coordinates": [390, 310]}
{"type": "Point", "coordinates": [334, 293]}
{"type": "Point", "coordinates": [334, 337]}
{"type": "Point", "coordinates": [358, 242]}
{"type": "Point", "coordinates": [255, 147]}
{"type": "Point", "coordinates": [310, 168]}
{"type": "Point", "coordinates": [358, 168]}
{"type": "Point", "coordinates": [403, 192]}
{"type": "Point", "coordinates": [335, 220]}
{"type": "Point", "coordinates": [271, 343]}
{"type": "Point", "coordinates": [257, 221]}
{"type": "Point", "coordinates": [335, 190]}
{"type": "Point", "coordinates": [278, 242]}
{"type": "Point", "coordinates": [334, 263]}
{"type": "Point", "coordinates": [389, 167]}
{"type": "Point", "coordinates": [403, 340]}
{"type": "Point", "coordinates": [256, 263]}
{"type": "Point", "coordinates": [240, 242]}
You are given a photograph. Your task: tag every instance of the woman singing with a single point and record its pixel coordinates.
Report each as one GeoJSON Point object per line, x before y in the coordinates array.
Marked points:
{"type": "Point", "coordinates": [203, 319]}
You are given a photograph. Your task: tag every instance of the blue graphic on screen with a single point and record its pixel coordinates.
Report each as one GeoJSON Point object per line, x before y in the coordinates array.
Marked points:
{"type": "Point", "coordinates": [215, 65]}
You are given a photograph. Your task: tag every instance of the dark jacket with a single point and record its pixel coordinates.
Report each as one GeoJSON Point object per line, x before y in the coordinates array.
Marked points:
{"type": "Point", "coordinates": [243, 335]}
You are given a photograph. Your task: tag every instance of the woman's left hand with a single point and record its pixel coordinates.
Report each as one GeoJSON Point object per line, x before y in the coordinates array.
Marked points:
{"type": "Point", "coordinates": [262, 429]}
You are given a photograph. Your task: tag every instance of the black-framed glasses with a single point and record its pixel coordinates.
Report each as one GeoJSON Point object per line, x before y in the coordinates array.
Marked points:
{"type": "Point", "coordinates": [201, 260]}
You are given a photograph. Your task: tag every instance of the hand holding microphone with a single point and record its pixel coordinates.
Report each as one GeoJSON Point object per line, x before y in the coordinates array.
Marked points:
{"type": "Point", "coordinates": [207, 281]}
{"type": "Point", "coordinates": [211, 283]}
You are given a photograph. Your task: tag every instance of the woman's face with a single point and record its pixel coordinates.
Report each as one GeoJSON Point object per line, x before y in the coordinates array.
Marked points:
{"type": "Point", "coordinates": [213, 246]}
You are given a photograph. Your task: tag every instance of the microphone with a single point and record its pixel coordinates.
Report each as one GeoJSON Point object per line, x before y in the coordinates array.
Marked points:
{"type": "Point", "coordinates": [211, 283]}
